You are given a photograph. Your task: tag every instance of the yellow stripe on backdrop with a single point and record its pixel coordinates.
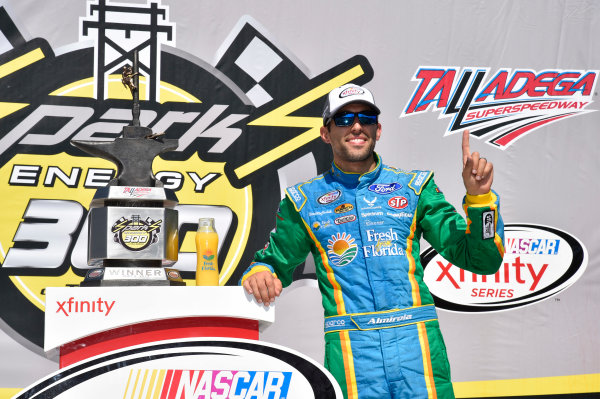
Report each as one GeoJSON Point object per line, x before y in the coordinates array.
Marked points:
{"type": "Point", "coordinates": [560, 385]}
{"type": "Point", "coordinates": [21, 62]}
{"type": "Point", "coordinates": [6, 393]}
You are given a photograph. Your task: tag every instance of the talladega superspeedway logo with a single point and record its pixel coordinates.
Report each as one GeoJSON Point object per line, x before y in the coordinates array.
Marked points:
{"type": "Point", "coordinates": [243, 124]}
{"type": "Point", "coordinates": [502, 107]}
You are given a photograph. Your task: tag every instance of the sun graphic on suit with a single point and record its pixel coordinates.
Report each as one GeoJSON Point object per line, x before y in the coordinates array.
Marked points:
{"type": "Point", "coordinates": [341, 249]}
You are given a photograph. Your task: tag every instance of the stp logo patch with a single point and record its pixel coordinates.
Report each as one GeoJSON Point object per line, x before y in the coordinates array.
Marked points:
{"type": "Point", "coordinates": [398, 202]}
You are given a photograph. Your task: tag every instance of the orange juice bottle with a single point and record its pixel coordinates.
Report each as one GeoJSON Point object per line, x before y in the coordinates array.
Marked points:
{"type": "Point", "coordinates": [207, 241]}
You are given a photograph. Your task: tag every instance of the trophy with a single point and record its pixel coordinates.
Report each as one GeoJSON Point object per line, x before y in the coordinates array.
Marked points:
{"type": "Point", "coordinates": [132, 225]}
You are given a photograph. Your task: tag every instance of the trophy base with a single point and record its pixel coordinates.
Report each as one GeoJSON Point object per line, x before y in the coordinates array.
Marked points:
{"type": "Point", "coordinates": [132, 276]}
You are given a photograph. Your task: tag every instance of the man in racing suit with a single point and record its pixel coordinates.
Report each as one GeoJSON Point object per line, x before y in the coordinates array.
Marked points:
{"type": "Point", "coordinates": [362, 221]}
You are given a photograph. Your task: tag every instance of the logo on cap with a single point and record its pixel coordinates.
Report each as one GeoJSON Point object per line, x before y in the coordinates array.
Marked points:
{"type": "Point", "coordinates": [351, 91]}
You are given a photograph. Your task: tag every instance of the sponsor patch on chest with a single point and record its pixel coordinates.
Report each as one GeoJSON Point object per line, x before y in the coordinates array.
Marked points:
{"type": "Point", "coordinates": [385, 188]}
{"type": "Point", "coordinates": [329, 197]}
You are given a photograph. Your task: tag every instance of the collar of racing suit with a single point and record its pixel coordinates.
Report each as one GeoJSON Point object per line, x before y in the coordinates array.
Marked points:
{"type": "Point", "coordinates": [355, 179]}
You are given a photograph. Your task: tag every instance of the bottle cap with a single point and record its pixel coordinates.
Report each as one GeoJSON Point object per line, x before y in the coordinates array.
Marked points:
{"type": "Point", "coordinates": [206, 223]}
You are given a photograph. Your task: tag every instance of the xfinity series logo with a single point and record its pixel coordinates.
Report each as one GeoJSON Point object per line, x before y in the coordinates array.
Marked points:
{"type": "Point", "coordinates": [236, 123]}
{"type": "Point", "coordinates": [539, 262]}
{"type": "Point", "coordinates": [504, 106]}
{"type": "Point", "coordinates": [329, 197]}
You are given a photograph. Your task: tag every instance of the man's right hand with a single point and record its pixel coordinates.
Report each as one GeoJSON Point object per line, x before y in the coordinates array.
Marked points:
{"type": "Point", "coordinates": [264, 286]}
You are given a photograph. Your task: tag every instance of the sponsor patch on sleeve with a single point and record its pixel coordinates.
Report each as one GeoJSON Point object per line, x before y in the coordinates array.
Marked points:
{"type": "Point", "coordinates": [297, 197]}
{"type": "Point", "coordinates": [487, 223]}
{"type": "Point", "coordinates": [419, 180]}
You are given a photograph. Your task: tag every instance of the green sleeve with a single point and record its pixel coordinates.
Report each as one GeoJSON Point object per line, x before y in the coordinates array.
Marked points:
{"type": "Point", "coordinates": [470, 244]}
{"type": "Point", "coordinates": [289, 245]}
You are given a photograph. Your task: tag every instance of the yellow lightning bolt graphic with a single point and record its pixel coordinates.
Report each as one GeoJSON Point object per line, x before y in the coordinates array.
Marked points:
{"type": "Point", "coordinates": [119, 226]}
{"type": "Point", "coordinates": [280, 117]}
{"type": "Point", "coordinates": [154, 225]}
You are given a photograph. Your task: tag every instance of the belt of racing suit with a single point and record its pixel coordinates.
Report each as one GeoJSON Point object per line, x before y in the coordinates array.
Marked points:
{"type": "Point", "coordinates": [378, 320]}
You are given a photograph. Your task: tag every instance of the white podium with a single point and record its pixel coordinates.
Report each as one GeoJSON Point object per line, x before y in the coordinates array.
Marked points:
{"type": "Point", "coordinates": [81, 322]}
{"type": "Point", "coordinates": [169, 343]}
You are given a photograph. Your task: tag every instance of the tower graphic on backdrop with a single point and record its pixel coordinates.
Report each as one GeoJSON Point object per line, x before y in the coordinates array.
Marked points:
{"type": "Point", "coordinates": [120, 29]}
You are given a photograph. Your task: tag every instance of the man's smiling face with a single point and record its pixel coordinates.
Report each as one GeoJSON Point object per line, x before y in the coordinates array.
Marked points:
{"type": "Point", "coordinates": [353, 145]}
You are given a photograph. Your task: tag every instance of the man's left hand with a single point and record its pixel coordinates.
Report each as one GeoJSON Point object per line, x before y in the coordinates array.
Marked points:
{"type": "Point", "coordinates": [478, 172]}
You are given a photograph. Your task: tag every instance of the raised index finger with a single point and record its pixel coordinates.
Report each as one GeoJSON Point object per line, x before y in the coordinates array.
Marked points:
{"type": "Point", "coordinates": [466, 149]}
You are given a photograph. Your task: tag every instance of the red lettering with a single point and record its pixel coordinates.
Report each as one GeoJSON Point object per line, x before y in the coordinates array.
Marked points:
{"type": "Point", "coordinates": [536, 277]}
{"type": "Point", "coordinates": [439, 93]}
{"type": "Point", "coordinates": [562, 86]}
{"type": "Point", "coordinates": [516, 78]}
{"type": "Point", "coordinates": [548, 82]}
{"type": "Point", "coordinates": [541, 81]}
{"type": "Point", "coordinates": [492, 293]}
{"type": "Point", "coordinates": [445, 272]}
{"type": "Point", "coordinates": [61, 307]}
{"type": "Point", "coordinates": [495, 88]}
{"type": "Point", "coordinates": [585, 84]}
{"type": "Point", "coordinates": [518, 265]}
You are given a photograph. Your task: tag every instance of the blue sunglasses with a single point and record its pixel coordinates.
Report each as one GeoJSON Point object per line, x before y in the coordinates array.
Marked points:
{"type": "Point", "coordinates": [346, 118]}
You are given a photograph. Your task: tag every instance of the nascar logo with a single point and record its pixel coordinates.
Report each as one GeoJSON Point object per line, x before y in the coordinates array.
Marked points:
{"type": "Point", "coordinates": [201, 368]}
{"type": "Point", "coordinates": [224, 384]}
{"type": "Point", "coordinates": [503, 106]}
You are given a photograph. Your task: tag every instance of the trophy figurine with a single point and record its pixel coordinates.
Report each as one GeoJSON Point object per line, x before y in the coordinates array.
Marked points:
{"type": "Point", "coordinates": [133, 226]}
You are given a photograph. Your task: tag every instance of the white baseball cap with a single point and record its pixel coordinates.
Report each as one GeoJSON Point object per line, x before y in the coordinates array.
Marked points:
{"type": "Point", "coordinates": [346, 94]}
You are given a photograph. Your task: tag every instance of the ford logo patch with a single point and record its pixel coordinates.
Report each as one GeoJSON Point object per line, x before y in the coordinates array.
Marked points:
{"type": "Point", "coordinates": [385, 188]}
